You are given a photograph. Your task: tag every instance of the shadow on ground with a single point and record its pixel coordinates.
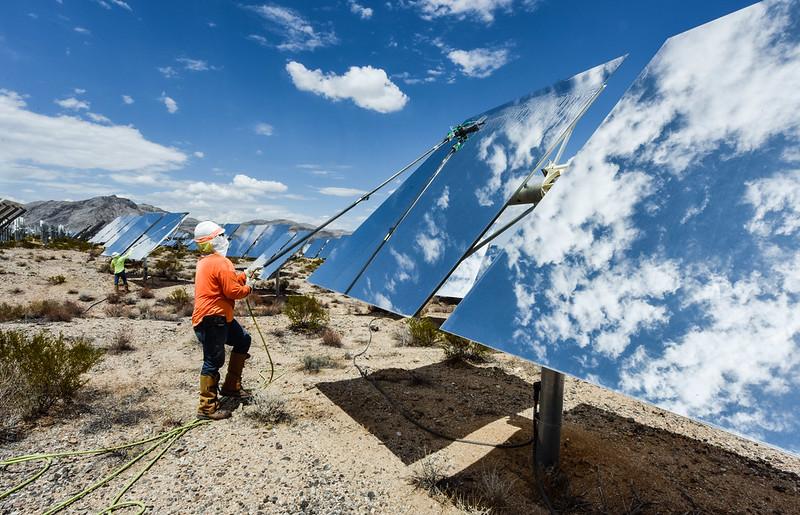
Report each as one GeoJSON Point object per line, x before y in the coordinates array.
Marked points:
{"type": "Point", "coordinates": [609, 464]}
{"type": "Point", "coordinates": [455, 400]}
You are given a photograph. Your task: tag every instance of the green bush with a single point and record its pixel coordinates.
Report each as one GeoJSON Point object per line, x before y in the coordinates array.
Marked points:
{"type": "Point", "coordinates": [460, 349]}
{"type": "Point", "coordinates": [181, 301]}
{"type": "Point", "coordinates": [178, 298]}
{"type": "Point", "coordinates": [168, 266]}
{"type": "Point", "coordinates": [70, 244]}
{"type": "Point", "coordinates": [49, 366]}
{"type": "Point", "coordinates": [423, 332]}
{"type": "Point", "coordinates": [305, 313]}
{"type": "Point", "coordinates": [56, 279]}
{"type": "Point", "coordinates": [316, 363]}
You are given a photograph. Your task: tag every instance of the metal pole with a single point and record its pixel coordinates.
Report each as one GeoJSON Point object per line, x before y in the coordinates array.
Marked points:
{"type": "Point", "coordinates": [551, 407]}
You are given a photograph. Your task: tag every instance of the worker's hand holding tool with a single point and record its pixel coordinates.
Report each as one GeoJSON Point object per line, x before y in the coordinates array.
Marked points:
{"type": "Point", "coordinates": [251, 278]}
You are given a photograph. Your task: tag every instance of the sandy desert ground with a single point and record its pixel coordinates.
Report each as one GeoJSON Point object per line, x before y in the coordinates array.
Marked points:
{"type": "Point", "coordinates": [345, 449]}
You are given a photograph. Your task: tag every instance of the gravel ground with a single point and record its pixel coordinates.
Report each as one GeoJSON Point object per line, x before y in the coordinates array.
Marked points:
{"type": "Point", "coordinates": [345, 449]}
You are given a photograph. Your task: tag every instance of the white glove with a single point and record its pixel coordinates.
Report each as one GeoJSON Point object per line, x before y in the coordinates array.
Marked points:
{"type": "Point", "coordinates": [251, 278]}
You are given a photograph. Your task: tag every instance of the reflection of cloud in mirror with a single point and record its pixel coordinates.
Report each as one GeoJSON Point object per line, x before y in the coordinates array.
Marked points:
{"type": "Point", "coordinates": [666, 262]}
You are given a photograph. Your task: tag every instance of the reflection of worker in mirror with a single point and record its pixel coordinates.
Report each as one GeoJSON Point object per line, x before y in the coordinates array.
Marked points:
{"type": "Point", "coordinates": [216, 288]}
{"type": "Point", "coordinates": [118, 266]}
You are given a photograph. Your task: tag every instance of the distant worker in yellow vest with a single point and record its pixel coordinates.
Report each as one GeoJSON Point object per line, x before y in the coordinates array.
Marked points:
{"type": "Point", "coordinates": [118, 266]}
{"type": "Point", "coordinates": [216, 288]}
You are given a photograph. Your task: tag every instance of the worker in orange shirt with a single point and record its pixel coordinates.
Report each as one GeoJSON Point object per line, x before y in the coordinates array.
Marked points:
{"type": "Point", "coordinates": [217, 287]}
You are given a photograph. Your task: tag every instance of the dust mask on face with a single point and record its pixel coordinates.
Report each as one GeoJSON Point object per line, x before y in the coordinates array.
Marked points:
{"type": "Point", "coordinates": [220, 244]}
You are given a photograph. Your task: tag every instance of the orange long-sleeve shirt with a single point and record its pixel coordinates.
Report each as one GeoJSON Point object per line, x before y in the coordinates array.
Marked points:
{"type": "Point", "coordinates": [216, 287]}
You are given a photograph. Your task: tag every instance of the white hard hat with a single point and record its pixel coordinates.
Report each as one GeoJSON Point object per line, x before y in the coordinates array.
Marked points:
{"type": "Point", "coordinates": [207, 231]}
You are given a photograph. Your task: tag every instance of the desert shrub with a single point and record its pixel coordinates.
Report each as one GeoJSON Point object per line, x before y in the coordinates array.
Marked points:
{"type": "Point", "coordinates": [50, 310]}
{"type": "Point", "coordinates": [181, 301]}
{"type": "Point", "coordinates": [305, 313]}
{"type": "Point", "coordinates": [331, 338]}
{"type": "Point", "coordinates": [56, 279]}
{"type": "Point", "coordinates": [267, 408]}
{"type": "Point", "coordinates": [422, 332]}
{"type": "Point", "coordinates": [121, 342]}
{"type": "Point", "coordinates": [178, 297]}
{"type": "Point", "coordinates": [86, 297]}
{"type": "Point", "coordinates": [269, 285]}
{"type": "Point", "coordinates": [460, 349]}
{"type": "Point", "coordinates": [117, 311]}
{"type": "Point", "coordinates": [70, 291]}
{"type": "Point", "coordinates": [168, 266]}
{"type": "Point", "coordinates": [54, 311]}
{"type": "Point", "coordinates": [114, 298]}
{"type": "Point", "coordinates": [50, 367]}
{"type": "Point", "coordinates": [146, 293]}
{"type": "Point", "coordinates": [11, 312]}
{"type": "Point", "coordinates": [261, 308]}
{"type": "Point", "coordinates": [17, 405]}
{"type": "Point", "coordinates": [70, 244]}
{"type": "Point", "coordinates": [16, 291]}
{"type": "Point", "coordinates": [314, 364]}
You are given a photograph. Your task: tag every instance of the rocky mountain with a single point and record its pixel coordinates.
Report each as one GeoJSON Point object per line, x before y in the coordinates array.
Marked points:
{"type": "Point", "coordinates": [77, 215]}
{"type": "Point", "coordinates": [80, 214]}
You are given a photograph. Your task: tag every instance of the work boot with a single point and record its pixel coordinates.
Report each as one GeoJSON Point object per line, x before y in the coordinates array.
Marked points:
{"type": "Point", "coordinates": [209, 403]}
{"type": "Point", "coordinates": [127, 289]}
{"type": "Point", "coordinates": [232, 387]}
{"type": "Point", "coordinates": [116, 288]}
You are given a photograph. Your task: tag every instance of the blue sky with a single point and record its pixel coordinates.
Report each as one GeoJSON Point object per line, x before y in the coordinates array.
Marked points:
{"type": "Point", "coordinates": [238, 110]}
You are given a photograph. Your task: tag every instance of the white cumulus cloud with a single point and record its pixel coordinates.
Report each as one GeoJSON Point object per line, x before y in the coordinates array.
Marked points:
{"type": "Point", "coordinates": [70, 142]}
{"type": "Point", "coordinates": [480, 62]}
{"type": "Point", "coordinates": [364, 12]}
{"type": "Point", "coordinates": [484, 10]}
{"type": "Point", "coordinates": [169, 103]}
{"type": "Point", "coordinates": [367, 87]}
{"type": "Point", "coordinates": [127, 99]}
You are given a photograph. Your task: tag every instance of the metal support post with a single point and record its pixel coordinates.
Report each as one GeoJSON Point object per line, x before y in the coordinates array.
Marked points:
{"type": "Point", "coordinates": [551, 407]}
{"type": "Point", "coordinates": [144, 270]}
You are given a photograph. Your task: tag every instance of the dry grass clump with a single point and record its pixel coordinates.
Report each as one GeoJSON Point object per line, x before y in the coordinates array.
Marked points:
{"type": "Point", "coordinates": [121, 342]}
{"type": "Point", "coordinates": [72, 291]}
{"type": "Point", "coordinates": [305, 313]}
{"type": "Point", "coordinates": [146, 293]}
{"type": "Point", "coordinates": [56, 279]}
{"type": "Point", "coordinates": [494, 489]}
{"type": "Point", "coordinates": [422, 332]}
{"type": "Point", "coordinates": [314, 364]}
{"type": "Point", "coordinates": [86, 297]}
{"type": "Point", "coordinates": [430, 475]}
{"type": "Point", "coordinates": [43, 370]}
{"type": "Point", "coordinates": [331, 338]}
{"type": "Point", "coordinates": [114, 298]}
{"type": "Point", "coordinates": [266, 407]}
{"type": "Point", "coordinates": [16, 291]}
